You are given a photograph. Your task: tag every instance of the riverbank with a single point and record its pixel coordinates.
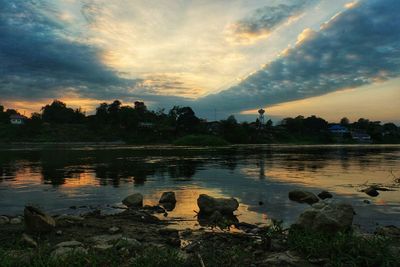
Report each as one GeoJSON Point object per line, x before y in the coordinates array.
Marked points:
{"type": "Point", "coordinates": [137, 237]}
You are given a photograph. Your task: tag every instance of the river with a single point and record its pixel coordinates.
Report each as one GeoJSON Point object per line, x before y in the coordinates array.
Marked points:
{"type": "Point", "coordinates": [60, 178]}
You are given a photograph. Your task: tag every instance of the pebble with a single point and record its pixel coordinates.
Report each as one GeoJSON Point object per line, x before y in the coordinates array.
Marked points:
{"type": "Point", "coordinates": [114, 230]}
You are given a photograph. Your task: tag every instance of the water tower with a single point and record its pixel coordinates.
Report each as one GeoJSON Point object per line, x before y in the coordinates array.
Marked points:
{"type": "Point", "coordinates": [261, 118]}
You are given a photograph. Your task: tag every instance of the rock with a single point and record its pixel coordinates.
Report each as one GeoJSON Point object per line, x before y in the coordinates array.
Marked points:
{"type": "Point", "coordinates": [4, 220]}
{"type": "Point", "coordinates": [103, 247]}
{"type": "Point", "coordinates": [209, 205]}
{"type": "Point", "coordinates": [366, 201]}
{"type": "Point", "coordinates": [134, 200]}
{"type": "Point", "coordinates": [287, 258]}
{"type": "Point", "coordinates": [325, 195]}
{"type": "Point", "coordinates": [154, 209]}
{"type": "Point", "coordinates": [114, 230]}
{"type": "Point", "coordinates": [370, 191]}
{"type": "Point", "coordinates": [67, 217]}
{"type": "Point", "coordinates": [72, 243]}
{"type": "Point", "coordinates": [16, 220]}
{"type": "Point", "coordinates": [63, 252]}
{"type": "Point", "coordinates": [168, 197]}
{"type": "Point", "coordinates": [27, 240]}
{"type": "Point", "coordinates": [332, 217]}
{"type": "Point", "coordinates": [126, 242]}
{"type": "Point", "coordinates": [37, 221]}
{"type": "Point", "coordinates": [105, 239]}
{"type": "Point", "coordinates": [303, 197]}
{"type": "Point", "coordinates": [187, 232]}
{"type": "Point", "coordinates": [389, 231]}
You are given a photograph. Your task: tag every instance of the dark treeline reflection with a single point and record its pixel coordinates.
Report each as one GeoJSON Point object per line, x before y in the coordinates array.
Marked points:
{"type": "Point", "coordinates": [113, 165]}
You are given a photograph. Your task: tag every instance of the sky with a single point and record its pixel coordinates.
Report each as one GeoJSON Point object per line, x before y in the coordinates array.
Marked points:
{"type": "Point", "coordinates": [221, 57]}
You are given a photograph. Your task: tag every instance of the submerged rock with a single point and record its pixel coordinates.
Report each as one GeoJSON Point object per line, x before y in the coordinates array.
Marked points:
{"type": "Point", "coordinates": [134, 200]}
{"type": "Point", "coordinates": [209, 205]}
{"type": "Point", "coordinates": [37, 221]}
{"type": "Point", "coordinates": [325, 195]}
{"type": "Point", "coordinates": [371, 191]}
{"type": "Point", "coordinates": [326, 217]}
{"type": "Point", "coordinates": [303, 197]}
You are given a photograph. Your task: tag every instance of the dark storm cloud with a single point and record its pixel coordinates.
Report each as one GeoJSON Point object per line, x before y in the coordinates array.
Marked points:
{"type": "Point", "coordinates": [264, 20]}
{"type": "Point", "coordinates": [38, 59]}
{"type": "Point", "coordinates": [359, 46]}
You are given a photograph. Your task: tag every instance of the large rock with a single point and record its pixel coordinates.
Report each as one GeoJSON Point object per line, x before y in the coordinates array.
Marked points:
{"type": "Point", "coordinates": [326, 217]}
{"type": "Point", "coordinates": [303, 197]}
{"type": "Point", "coordinates": [36, 221]}
{"type": "Point", "coordinates": [134, 200]}
{"type": "Point", "coordinates": [168, 197]}
{"type": "Point", "coordinates": [209, 205]}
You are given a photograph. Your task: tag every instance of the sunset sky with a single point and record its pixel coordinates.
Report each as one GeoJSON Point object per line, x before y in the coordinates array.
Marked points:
{"type": "Point", "coordinates": [323, 57]}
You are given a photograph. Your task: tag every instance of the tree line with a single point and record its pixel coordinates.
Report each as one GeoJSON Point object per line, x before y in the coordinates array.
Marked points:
{"type": "Point", "coordinates": [136, 123]}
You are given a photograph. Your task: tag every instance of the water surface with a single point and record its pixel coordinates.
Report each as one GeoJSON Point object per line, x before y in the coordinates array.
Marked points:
{"type": "Point", "coordinates": [58, 177]}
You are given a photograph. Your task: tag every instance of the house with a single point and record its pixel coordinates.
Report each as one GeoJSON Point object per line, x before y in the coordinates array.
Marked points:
{"type": "Point", "coordinates": [17, 119]}
{"type": "Point", "coordinates": [213, 127]}
{"type": "Point", "coordinates": [361, 137]}
{"type": "Point", "coordinates": [338, 129]}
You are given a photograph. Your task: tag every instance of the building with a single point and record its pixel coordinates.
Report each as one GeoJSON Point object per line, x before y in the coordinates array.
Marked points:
{"type": "Point", "coordinates": [17, 119]}
{"type": "Point", "coordinates": [361, 137]}
{"type": "Point", "coordinates": [338, 129]}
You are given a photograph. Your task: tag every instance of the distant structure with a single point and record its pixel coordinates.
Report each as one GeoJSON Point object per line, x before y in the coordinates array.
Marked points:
{"type": "Point", "coordinates": [261, 118]}
{"type": "Point", "coordinates": [17, 119]}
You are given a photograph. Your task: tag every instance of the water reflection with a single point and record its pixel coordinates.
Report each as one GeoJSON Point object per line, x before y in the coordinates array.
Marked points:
{"type": "Point", "coordinates": [62, 177]}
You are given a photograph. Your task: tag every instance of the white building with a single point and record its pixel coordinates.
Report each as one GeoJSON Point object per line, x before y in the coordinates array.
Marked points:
{"type": "Point", "coordinates": [17, 119]}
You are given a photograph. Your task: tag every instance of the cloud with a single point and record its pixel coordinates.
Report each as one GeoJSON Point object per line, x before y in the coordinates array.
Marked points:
{"type": "Point", "coordinates": [263, 21]}
{"type": "Point", "coordinates": [358, 46]}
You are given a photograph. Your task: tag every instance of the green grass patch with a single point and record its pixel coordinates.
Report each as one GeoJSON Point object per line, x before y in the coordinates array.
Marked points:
{"type": "Point", "coordinates": [200, 140]}
{"type": "Point", "coordinates": [345, 248]}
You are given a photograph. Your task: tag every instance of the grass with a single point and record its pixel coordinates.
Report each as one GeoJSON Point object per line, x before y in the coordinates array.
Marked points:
{"type": "Point", "coordinates": [40, 257]}
{"type": "Point", "coordinates": [200, 140]}
{"type": "Point", "coordinates": [345, 248]}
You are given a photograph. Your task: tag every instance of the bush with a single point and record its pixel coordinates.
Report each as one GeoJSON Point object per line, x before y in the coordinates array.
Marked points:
{"type": "Point", "coordinates": [344, 248]}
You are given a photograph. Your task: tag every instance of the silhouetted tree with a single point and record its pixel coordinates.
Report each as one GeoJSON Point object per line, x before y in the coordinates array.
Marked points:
{"type": "Point", "coordinates": [58, 112]}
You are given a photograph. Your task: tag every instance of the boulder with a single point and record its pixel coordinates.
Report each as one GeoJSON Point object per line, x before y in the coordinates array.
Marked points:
{"type": "Point", "coordinates": [326, 217]}
{"type": "Point", "coordinates": [168, 197]}
{"type": "Point", "coordinates": [209, 205]}
{"type": "Point", "coordinates": [371, 191]}
{"type": "Point", "coordinates": [4, 220]}
{"type": "Point", "coordinates": [37, 221]}
{"type": "Point", "coordinates": [134, 200]}
{"type": "Point", "coordinates": [303, 197]}
{"type": "Point", "coordinates": [325, 195]}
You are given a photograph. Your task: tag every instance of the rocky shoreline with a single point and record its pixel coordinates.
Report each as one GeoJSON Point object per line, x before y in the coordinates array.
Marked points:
{"type": "Point", "coordinates": [129, 236]}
